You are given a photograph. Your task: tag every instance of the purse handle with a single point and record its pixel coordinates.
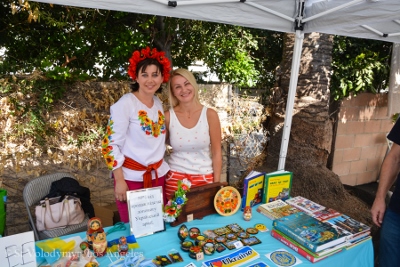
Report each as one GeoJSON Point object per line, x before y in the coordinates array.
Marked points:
{"type": "Point", "coordinates": [48, 210]}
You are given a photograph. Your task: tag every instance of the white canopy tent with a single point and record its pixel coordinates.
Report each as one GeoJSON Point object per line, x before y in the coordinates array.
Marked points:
{"type": "Point", "coordinates": [370, 19]}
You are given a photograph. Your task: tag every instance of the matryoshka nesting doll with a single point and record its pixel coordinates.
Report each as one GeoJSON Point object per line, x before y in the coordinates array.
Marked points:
{"type": "Point", "coordinates": [99, 243]}
{"type": "Point", "coordinates": [94, 225]}
{"type": "Point", "coordinates": [123, 246]}
{"type": "Point", "coordinates": [247, 213]}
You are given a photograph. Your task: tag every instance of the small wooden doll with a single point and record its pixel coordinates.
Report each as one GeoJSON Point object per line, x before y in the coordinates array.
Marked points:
{"type": "Point", "coordinates": [94, 225]}
{"type": "Point", "coordinates": [123, 246]}
{"type": "Point", "coordinates": [99, 243]}
{"type": "Point", "coordinates": [247, 213]}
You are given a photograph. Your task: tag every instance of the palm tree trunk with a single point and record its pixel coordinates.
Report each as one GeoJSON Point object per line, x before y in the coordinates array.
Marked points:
{"type": "Point", "coordinates": [311, 133]}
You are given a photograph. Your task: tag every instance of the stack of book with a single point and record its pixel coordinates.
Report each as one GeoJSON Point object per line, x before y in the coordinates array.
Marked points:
{"type": "Point", "coordinates": [358, 232]}
{"type": "Point", "coordinates": [312, 230]}
{"type": "Point", "coordinates": [313, 239]}
{"type": "Point", "coordinates": [276, 209]}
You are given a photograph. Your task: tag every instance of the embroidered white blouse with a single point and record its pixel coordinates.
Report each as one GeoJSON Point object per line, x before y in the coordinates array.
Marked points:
{"type": "Point", "coordinates": [135, 131]}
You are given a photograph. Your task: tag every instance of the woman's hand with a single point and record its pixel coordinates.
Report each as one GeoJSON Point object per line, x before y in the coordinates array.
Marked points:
{"type": "Point", "coordinates": [120, 185]}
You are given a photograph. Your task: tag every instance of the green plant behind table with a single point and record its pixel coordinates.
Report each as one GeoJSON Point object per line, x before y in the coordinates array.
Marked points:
{"type": "Point", "coordinates": [31, 100]}
{"type": "Point", "coordinates": [359, 65]}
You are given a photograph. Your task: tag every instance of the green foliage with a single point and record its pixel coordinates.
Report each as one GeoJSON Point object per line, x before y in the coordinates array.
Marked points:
{"type": "Point", "coordinates": [65, 44]}
{"type": "Point", "coordinates": [359, 65]}
{"type": "Point", "coordinates": [238, 55]}
{"type": "Point", "coordinates": [70, 43]}
{"type": "Point", "coordinates": [89, 137]}
{"type": "Point", "coordinates": [31, 100]}
{"type": "Point", "coordinates": [395, 117]}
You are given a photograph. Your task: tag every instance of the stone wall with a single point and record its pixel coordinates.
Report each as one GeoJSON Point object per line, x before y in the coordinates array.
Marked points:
{"type": "Point", "coordinates": [85, 163]}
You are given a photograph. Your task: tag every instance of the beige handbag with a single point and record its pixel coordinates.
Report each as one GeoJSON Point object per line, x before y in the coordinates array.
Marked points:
{"type": "Point", "coordinates": [52, 213]}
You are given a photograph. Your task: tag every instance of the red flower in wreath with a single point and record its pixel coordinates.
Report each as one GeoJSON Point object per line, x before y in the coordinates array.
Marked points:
{"type": "Point", "coordinates": [138, 56]}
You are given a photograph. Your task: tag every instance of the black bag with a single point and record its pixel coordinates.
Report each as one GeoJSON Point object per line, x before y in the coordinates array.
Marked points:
{"type": "Point", "coordinates": [70, 186]}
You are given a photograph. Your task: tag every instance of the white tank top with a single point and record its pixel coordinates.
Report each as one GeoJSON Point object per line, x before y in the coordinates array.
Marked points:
{"type": "Point", "coordinates": [191, 147]}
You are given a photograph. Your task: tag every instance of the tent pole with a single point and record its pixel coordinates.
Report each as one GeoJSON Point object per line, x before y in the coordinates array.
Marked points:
{"type": "Point", "coordinates": [294, 75]}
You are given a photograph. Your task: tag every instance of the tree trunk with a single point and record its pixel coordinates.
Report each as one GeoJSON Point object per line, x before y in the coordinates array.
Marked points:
{"type": "Point", "coordinates": [311, 132]}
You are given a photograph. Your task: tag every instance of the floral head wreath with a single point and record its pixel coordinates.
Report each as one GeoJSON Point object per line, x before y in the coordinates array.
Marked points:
{"type": "Point", "coordinates": [138, 56]}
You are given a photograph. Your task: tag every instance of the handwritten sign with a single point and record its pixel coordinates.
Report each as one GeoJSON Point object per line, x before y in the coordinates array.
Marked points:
{"type": "Point", "coordinates": [145, 207]}
{"type": "Point", "coordinates": [18, 250]}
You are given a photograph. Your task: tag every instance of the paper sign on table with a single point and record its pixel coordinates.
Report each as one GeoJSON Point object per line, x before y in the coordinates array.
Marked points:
{"type": "Point", "coordinates": [18, 250]}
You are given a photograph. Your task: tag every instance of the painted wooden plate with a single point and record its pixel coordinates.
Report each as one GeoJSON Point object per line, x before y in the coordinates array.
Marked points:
{"type": "Point", "coordinates": [227, 201]}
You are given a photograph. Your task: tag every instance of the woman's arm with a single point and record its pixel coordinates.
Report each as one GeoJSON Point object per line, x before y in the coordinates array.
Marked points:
{"type": "Point", "coordinates": [215, 138]}
{"type": "Point", "coordinates": [167, 117]}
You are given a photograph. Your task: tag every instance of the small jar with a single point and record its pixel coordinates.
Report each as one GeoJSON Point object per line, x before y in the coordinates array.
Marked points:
{"type": "Point", "coordinates": [200, 240]}
{"type": "Point", "coordinates": [194, 232]}
{"type": "Point", "coordinates": [186, 245]}
{"type": "Point", "coordinates": [209, 248]}
{"type": "Point", "coordinates": [194, 250]}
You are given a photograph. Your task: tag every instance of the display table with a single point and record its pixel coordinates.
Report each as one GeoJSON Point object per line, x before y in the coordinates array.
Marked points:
{"type": "Point", "coordinates": [161, 243]}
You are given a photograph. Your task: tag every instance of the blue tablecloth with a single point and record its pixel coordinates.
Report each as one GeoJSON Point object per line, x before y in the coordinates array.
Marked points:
{"type": "Point", "coordinates": [161, 243]}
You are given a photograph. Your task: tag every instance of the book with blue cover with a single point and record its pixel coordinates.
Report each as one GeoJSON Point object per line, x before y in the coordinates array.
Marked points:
{"type": "Point", "coordinates": [253, 186]}
{"type": "Point", "coordinates": [310, 232]}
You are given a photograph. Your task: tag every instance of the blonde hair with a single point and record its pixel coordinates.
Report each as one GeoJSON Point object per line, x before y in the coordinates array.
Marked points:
{"type": "Point", "coordinates": [173, 101]}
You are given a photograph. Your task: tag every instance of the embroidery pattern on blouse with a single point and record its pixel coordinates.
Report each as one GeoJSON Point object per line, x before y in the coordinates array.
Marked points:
{"type": "Point", "coordinates": [150, 127]}
{"type": "Point", "coordinates": [106, 149]}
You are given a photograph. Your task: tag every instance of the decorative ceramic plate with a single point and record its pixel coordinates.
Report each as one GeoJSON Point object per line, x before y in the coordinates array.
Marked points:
{"type": "Point", "coordinates": [252, 230]}
{"type": "Point", "coordinates": [227, 201]}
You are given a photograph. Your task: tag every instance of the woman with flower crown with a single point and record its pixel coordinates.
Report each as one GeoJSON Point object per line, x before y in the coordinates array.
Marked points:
{"type": "Point", "coordinates": [134, 145]}
{"type": "Point", "coordinates": [194, 133]}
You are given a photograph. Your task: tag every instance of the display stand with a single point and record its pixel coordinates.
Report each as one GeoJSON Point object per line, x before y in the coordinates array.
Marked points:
{"type": "Point", "coordinates": [200, 202]}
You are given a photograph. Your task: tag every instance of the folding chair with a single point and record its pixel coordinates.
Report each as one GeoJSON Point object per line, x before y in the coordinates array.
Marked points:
{"type": "Point", "coordinates": [33, 192]}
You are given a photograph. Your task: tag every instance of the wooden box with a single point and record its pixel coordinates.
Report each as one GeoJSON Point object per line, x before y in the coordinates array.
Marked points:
{"type": "Point", "coordinates": [200, 202]}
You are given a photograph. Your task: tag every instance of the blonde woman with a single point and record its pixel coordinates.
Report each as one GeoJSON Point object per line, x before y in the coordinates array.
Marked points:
{"type": "Point", "coordinates": [194, 132]}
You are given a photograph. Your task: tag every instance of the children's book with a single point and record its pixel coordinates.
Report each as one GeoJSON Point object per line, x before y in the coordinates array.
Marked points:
{"type": "Point", "coordinates": [253, 186]}
{"type": "Point", "coordinates": [355, 229]}
{"type": "Point", "coordinates": [303, 251]}
{"type": "Point", "coordinates": [326, 214]}
{"type": "Point", "coordinates": [305, 204]}
{"type": "Point", "coordinates": [271, 206]}
{"type": "Point", "coordinates": [276, 209]}
{"type": "Point", "coordinates": [239, 257]}
{"type": "Point", "coordinates": [277, 185]}
{"type": "Point", "coordinates": [309, 232]}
